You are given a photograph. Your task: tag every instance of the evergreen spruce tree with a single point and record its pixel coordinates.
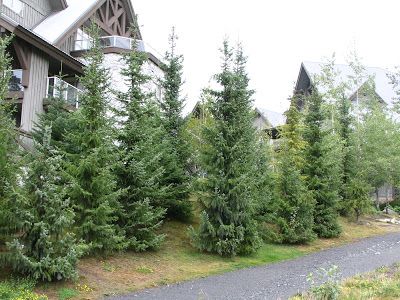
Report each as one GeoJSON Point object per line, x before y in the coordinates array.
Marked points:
{"type": "Point", "coordinates": [295, 209]}
{"type": "Point", "coordinates": [177, 160]}
{"type": "Point", "coordinates": [58, 117]}
{"type": "Point", "coordinates": [9, 150]}
{"type": "Point", "coordinates": [141, 148]}
{"type": "Point", "coordinates": [44, 247]}
{"type": "Point", "coordinates": [8, 138]}
{"type": "Point", "coordinates": [263, 180]}
{"type": "Point", "coordinates": [91, 157]}
{"type": "Point", "coordinates": [227, 224]}
{"type": "Point", "coordinates": [357, 198]}
{"type": "Point", "coordinates": [345, 121]}
{"type": "Point", "coordinates": [317, 169]}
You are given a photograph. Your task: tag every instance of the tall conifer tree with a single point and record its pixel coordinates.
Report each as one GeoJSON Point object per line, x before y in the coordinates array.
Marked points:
{"type": "Point", "coordinates": [45, 247]}
{"type": "Point", "coordinates": [9, 167]}
{"type": "Point", "coordinates": [345, 121]}
{"type": "Point", "coordinates": [227, 224]}
{"type": "Point", "coordinates": [8, 137]}
{"type": "Point", "coordinates": [317, 170]}
{"type": "Point", "coordinates": [91, 156]}
{"type": "Point", "coordinates": [141, 146]}
{"type": "Point", "coordinates": [295, 210]}
{"type": "Point", "coordinates": [177, 160]}
{"type": "Point", "coordinates": [263, 180]}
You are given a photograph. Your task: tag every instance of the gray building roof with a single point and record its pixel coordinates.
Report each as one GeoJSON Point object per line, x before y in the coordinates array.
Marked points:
{"type": "Point", "coordinates": [55, 26]}
{"type": "Point", "coordinates": [383, 87]}
{"type": "Point", "coordinates": [273, 118]}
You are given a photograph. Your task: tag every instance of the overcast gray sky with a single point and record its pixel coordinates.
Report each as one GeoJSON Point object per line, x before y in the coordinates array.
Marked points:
{"type": "Point", "coordinates": [277, 36]}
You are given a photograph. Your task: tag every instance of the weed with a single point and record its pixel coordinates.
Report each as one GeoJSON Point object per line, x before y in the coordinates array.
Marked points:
{"type": "Point", "coordinates": [65, 294]}
{"type": "Point", "coordinates": [163, 281]}
{"type": "Point", "coordinates": [108, 267]}
{"type": "Point", "coordinates": [144, 270]}
{"type": "Point", "coordinates": [83, 288]}
{"type": "Point", "coordinates": [382, 269]}
{"type": "Point", "coordinates": [330, 289]}
{"type": "Point", "coordinates": [21, 289]}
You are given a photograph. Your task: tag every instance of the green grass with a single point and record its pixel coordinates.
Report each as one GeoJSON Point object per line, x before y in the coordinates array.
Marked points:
{"type": "Point", "coordinates": [267, 254]}
{"type": "Point", "coordinates": [108, 267]}
{"type": "Point", "coordinates": [66, 294]}
{"type": "Point", "coordinates": [383, 284]}
{"type": "Point", "coordinates": [144, 270]}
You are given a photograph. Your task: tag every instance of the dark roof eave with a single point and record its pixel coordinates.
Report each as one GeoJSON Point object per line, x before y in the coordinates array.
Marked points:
{"type": "Point", "coordinates": [155, 60]}
{"type": "Point", "coordinates": [49, 49]}
{"type": "Point", "coordinates": [134, 17]}
{"type": "Point", "coordinates": [64, 4]}
{"type": "Point", "coordinates": [58, 5]}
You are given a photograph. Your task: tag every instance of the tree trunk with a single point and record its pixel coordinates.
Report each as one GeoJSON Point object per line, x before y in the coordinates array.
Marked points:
{"type": "Point", "coordinates": [357, 215]}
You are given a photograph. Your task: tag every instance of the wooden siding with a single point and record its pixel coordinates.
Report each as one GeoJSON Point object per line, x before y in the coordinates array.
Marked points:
{"type": "Point", "coordinates": [42, 6]}
{"type": "Point", "coordinates": [33, 95]}
{"type": "Point", "coordinates": [69, 44]}
{"type": "Point", "coordinates": [33, 13]}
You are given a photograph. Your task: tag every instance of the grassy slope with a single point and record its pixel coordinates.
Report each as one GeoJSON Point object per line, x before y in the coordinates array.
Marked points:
{"type": "Point", "coordinates": [382, 284]}
{"type": "Point", "coordinates": [178, 261]}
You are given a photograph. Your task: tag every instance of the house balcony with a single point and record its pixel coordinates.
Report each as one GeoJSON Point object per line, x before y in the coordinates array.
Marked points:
{"type": "Point", "coordinates": [110, 42]}
{"type": "Point", "coordinates": [58, 88]}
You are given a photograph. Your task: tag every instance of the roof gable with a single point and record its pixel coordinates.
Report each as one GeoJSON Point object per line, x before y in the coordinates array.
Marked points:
{"type": "Point", "coordinates": [383, 88]}
{"type": "Point", "coordinates": [58, 24]}
{"type": "Point", "coordinates": [57, 27]}
{"type": "Point", "coordinates": [115, 17]}
{"type": "Point", "coordinates": [272, 118]}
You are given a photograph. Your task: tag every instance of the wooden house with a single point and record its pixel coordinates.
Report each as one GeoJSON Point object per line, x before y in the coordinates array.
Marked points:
{"type": "Point", "coordinates": [343, 74]}
{"type": "Point", "coordinates": [270, 122]}
{"type": "Point", "coordinates": [264, 119]}
{"type": "Point", "coordinates": [383, 91]}
{"type": "Point", "coordinates": [50, 38]}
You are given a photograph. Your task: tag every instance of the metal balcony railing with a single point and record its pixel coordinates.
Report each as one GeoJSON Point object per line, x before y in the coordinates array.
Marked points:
{"type": "Point", "coordinates": [15, 83]}
{"type": "Point", "coordinates": [110, 42]}
{"type": "Point", "coordinates": [57, 87]}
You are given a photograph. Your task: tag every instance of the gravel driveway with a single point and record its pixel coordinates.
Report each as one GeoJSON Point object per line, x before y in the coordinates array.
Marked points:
{"type": "Point", "coordinates": [284, 279]}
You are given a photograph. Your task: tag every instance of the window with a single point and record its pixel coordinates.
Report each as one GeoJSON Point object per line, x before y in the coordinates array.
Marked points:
{"type": "Point", "coordinates": [16, 6]}
{"type": "Point", "coordinates": [158, 91]}
{"type": "Point", "coordinates": [82, 41]}
{"type": "Point", "coordinates": [15, 83]}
